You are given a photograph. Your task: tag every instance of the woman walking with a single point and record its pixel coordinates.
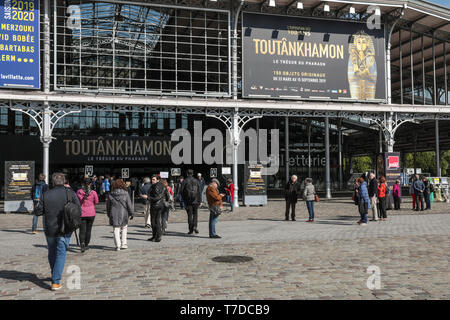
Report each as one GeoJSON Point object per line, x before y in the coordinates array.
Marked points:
{"type": "Point", "coordinates": [397, 193]}
{"type": "Point", "coordinates": [230, 193]}
{"type": "Point", "coordinates": [310, 195]}
{"type": "Point", "coordinates": [382, 192]}
{"type": "Point", "coordinates": [165, 216]}
{"type": "Point", "coordinates": [88, 199]}
{"type": "Point", "coordinates": [118, 208]}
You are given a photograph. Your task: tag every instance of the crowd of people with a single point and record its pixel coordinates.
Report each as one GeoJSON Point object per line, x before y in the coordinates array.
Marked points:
{"type": "Point", "coordinates": [374, 195]}
{"type": "Point", "coordinates": [158, 196]}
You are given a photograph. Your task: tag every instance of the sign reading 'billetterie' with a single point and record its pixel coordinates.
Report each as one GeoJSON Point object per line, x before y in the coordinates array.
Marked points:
{"type": "Point", "coordinates": [19, 43]}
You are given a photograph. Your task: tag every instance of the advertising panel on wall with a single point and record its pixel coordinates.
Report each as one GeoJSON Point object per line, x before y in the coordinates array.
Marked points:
{"type": "Point", "coordinates": [305, 58]}
{"type": "Point", "coordinates": [19, 179]}
{"type": "Point", "coordinates": [255, 185]}
{"type": "Point", "coordinates": [19, 44]}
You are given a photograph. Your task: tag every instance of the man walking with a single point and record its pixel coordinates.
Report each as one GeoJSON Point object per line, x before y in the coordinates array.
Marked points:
{"type": "Point", "coordinates": [191, 193]}
{"type": "Point", "coordinates": [179, 196]}
{"type": "Point", "coordinates": [419, 188]}
{"type": "Point", "coordinates": [36, 193]}
{"type": "Point", "coordinates": [143, 191]}
{"type": "Point", "coordinates": [157, 196]}
{"type": "Point", "coordinates": [427, 193]}
{"type": "Point", "coordinates": [52, 206]}
{"type": "Point", "coordinates": [291, 195]}
{"type": "Point", "coordinates": [373, 190]}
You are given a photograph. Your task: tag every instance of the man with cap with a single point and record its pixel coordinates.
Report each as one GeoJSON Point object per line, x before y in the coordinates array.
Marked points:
{"type": "Point", "coordinates": [215, 205]}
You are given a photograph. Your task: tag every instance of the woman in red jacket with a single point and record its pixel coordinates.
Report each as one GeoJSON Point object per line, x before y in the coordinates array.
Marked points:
{"type": "Point", "coordinates": [230, 193]}
{"type": "Point", "coordinates": [382, 192]}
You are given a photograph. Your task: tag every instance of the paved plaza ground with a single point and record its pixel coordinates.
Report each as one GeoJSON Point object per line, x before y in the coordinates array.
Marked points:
{"type": "Point", "coordinates": [327, 259]}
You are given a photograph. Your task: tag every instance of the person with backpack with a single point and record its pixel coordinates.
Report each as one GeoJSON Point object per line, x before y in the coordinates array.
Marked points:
{"type": "Point", "coordinates": [383, 191]}
{"type": "Point", "coordinates": [158, 197]}
{"type": "Point", "coordinates": [36, 192]}
{"type": "Point", "coordinates": [119, 208]}
{"type": "Point", "coordinates": [62, 211]}
{"type": "Point", "coordinates": [191, 193]}
{"type": "Point", "coordinates": [88, 199]}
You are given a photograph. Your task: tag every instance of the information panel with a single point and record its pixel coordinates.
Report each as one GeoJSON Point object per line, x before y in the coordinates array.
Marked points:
{"type": "Point", "coordinates": [19, 44]}
{"type": "Point", "coordinates": [306, 58]}
{"type": "Point", "coordinates": [19, 179]}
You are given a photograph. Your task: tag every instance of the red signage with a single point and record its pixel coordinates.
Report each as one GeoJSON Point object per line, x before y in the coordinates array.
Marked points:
{"type": "Point", "coordinates": [394, 162]}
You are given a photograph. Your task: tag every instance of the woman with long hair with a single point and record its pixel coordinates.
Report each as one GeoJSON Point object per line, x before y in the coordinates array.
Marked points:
{"type": "Point", "coordinates": [118, 208]}
{"type": "Point", "coordinates": [165, 216]}
{"type": "Point", "coordinates": [88, 199]}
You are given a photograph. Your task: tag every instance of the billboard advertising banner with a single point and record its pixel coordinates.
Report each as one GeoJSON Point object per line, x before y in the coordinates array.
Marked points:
{"type": "Point", "coordinates": [19, 44]}
{"type": "Point", "coordinates": [306, 58]}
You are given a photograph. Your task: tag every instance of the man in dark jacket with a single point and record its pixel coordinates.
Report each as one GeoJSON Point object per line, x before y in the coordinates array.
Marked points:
{"type": "Point", "coordinates": [36, 193]}
{"type": "Point", "coordinates": [373, 191]}
{"type": "Point", "coordinates": [51, 205]}
{"type": "Point", "coordinates": [418, 187]}
{"type": "Point", "coordinates": [427, 193]}
{"type": "Point", "coordinates": [192, 198]}
{"type": "Point", "coordinates": [292, 190]}
{"type": "Point", "coordinates": [156, 196]}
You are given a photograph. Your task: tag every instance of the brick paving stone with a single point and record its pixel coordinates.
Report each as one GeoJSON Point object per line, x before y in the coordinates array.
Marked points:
{"type": "Point", "coordinates": [291, 260]}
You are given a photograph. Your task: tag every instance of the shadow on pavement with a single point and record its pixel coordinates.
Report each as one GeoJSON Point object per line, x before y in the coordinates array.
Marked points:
{"type": "Point", "coordinates": [181, 234]}
{"type": "Point", "coordinates": [256, 219]}
{"type": "Point", "coordinates": [25, 276]}
{"type": "Point", "coordinates": [71, 248]}
{"type": "Point", "coordinates": [18, 231]}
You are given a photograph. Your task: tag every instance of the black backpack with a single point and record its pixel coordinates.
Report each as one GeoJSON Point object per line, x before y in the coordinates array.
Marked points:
{"type": "Point", "coordinates": [72, 216]}
{"type": "Point", "coordinates": [190, 192]}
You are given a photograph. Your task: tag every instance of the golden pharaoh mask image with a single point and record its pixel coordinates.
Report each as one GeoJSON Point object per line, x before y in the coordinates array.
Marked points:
{"type": "Point", "coordinates": [362, 68]}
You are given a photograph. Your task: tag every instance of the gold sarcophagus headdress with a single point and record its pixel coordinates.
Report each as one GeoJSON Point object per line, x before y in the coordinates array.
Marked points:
{"type": "Point", "coordinates": [362, 67]}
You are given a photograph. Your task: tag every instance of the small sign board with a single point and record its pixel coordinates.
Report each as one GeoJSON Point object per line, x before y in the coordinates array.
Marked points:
{"type": "Point", "coordinates": [226, 170]}
{"type": "Point", "coordinates": [213, 173]}
{"type": "Point", "coordinates": [164, 174]}
{"type": "Point", "coordinates": [125, 173]}
{"type": "Point", "coordinates": [89, 171]}
{"type": "Point", "coordinates": [175, 172]}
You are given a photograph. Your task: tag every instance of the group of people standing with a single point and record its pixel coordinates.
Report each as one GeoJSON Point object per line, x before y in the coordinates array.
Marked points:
{"type": "Point", "coordinates": [292, 193]}
{"type": "Point", "coordinates": [420, 190]}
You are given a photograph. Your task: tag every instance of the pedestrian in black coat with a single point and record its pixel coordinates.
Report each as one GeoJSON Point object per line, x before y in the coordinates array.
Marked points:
{"type": "Point", "coordinates": [292, 191]}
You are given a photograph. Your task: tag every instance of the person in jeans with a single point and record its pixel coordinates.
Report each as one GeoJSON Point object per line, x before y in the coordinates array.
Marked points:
{"type": "Point", "coordinates": [373, 191]}
{"type": "Point", "coordinates": [118, 208]}
{"type": "Point", "coordinates": [382, 192]}
{"type": "Point", "coordinates": [230, 193]}
{"type": "Point", "coordinates": [310, 196]}
{"type": "Point", "coordinates": [364, 201]}
{"type": "Point", "coordinates": [214, 199]}
{"type": "Point", "coordinates": [397, 194]}
{"type": "Point", "coordinates": [143, 192]}
{"type": "Point", "coordinates": [179, 196]}
{"type": "Point", "coordinates": [192, 199]}
{"type": "Point", "coordinates": [36, 192]}
{"type": "Point", "coordinates": [165, 215]}
{"type": "Point", "coordinates": [291, 195]}
{"type": "Point", "coordinates": [88, 199]}
{"type": "Point", "coordinates": [51, 206]}
{"type": "Point", "coordinates": [419, 188]}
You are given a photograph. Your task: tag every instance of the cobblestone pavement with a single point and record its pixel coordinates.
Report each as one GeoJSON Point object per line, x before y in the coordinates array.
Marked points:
{"type": "Point", "coordinates": [291, 260]}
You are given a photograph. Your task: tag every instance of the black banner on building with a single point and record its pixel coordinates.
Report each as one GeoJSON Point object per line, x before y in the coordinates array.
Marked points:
{"type": "Point", "coordinates": [19, 179]}
{"type": "Point", "coordinates": [306, 58]}
{"type": "Point", "coordinates": [102, 149]}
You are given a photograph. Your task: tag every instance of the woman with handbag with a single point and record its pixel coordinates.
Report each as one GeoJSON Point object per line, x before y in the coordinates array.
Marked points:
{"type": "Point", "coordinates": [310, 196]}
{"type": "Point", "coordinates": [119, 208]}
{"type": "Point", "coordinates": [88, 199]}
{"type": "Point", "coordinates": [214, 199]}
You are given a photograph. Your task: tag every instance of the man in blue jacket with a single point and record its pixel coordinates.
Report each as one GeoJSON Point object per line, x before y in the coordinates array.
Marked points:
{"type": "Point", "coordinates": [364, 202]}
{"type": "Point", "coordinates": [419, 188]}
{"type": "Point", "coordinates": [36, 193]}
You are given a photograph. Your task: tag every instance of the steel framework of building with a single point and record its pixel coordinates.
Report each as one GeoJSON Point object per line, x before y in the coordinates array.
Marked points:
{"type": "Point", "coordinates": [102, 61]}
